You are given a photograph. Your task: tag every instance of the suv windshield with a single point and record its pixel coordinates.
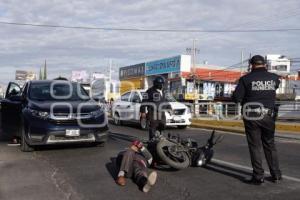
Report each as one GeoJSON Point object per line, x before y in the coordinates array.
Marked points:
{"type": "Point", "coordinates": [59, 91]}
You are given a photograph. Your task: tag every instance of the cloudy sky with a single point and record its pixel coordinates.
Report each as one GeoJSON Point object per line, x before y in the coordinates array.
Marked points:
{"type": "Point", "coordinates": [26, 48]}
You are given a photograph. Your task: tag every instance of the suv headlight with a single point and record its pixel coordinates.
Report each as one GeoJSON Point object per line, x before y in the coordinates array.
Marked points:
{"type": "Point", "coordinates": [97, 113]}
{"type": "Point", "coordinates": [39, 114]}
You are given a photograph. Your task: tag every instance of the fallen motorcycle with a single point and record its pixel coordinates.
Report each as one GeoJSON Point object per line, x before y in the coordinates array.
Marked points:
{"type": "Point", "coordinates": [181, 153]}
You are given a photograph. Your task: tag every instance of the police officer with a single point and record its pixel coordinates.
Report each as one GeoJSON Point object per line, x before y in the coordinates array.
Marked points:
{"type": "Point", "coordinates": [153, 100]}
{"type": "Point", "coordinates": [256, 91]}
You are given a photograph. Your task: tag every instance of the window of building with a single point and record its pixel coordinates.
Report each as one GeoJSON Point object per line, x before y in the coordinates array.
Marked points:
{"type": "Point", "coordinates": [280, 67]}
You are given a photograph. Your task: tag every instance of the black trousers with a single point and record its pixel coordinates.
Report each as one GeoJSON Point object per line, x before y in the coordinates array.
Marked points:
{"type": "Point", "coordinates": [155, 124]}
{"type": "Point", "coordinates": [260, 135]}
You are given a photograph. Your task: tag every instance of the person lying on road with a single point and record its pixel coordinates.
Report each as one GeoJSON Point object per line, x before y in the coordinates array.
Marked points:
{"type": "Point", "coordinates": [133, 163]}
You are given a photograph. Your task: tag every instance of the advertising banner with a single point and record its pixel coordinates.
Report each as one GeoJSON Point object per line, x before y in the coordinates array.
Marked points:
{"type": "Point", "coordinates": [163, 66]}
{"type": "Point", "coordinates": [21, 75]}
{"type": "Point", "coordinates": [209, 90]}
{"type": "Point", "coordinates": [25, 75]}
{"type": "Point", "coordinates": [97, 75]}
{"type": "Point", "coordinates": [228, 89]}
{"type": "Point", "coordinates": [80, 76]}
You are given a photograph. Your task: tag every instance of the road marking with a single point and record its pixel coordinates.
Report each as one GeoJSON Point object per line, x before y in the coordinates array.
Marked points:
{"type": "Point", "coordinates": [250, 169]}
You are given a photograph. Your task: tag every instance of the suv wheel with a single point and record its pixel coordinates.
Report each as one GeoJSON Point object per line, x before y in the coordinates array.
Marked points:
{"type": "Point", "coordinates": [24, 146]}
{"type": "Point", "coordinates": [117, 120]}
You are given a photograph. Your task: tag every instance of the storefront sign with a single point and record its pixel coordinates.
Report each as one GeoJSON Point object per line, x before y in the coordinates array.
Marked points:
{"type": "Point", "coordinates": [163, 66]}
{"type": "Point", "coordinates": [132, 71]}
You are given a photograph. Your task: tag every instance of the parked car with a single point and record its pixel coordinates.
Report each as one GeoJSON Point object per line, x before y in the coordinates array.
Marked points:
{"type": "Point", "coordinates": [127, 108]}
{"type": "Point", "coordinates": [53, 112]}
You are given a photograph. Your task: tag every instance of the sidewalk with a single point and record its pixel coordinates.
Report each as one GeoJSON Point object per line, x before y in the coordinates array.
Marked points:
{"type": "Point", "coordinates": [283, 129]}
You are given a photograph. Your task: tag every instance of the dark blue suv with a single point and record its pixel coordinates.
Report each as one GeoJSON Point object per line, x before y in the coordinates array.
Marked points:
{"type": "Point", "coordinates": [53, 112]}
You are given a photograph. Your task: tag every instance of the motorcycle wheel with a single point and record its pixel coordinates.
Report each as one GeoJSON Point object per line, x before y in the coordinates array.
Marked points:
{"type": "Point", "coordinates": [181, 161]}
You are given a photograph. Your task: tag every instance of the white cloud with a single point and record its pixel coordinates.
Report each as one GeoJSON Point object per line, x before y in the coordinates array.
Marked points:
{"type": "Point", "coordinates": [67, 49]}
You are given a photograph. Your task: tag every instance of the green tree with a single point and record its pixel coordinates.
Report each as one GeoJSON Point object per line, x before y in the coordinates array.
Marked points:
{"type": "Point", "coordinates": [41, 74]}
{"type": "Point", "coordinates": [45, 71]}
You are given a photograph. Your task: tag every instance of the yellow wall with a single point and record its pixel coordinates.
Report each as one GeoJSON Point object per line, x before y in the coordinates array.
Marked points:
{"type": "Point", "coordinates": [131, 84]}
{"type": "Point", "coordinates": [191, 96]}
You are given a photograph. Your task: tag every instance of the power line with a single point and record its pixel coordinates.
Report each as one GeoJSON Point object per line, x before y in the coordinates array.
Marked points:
{"type": "Point", "coordinates": [150, 30]}
{"type": "Point", "coordinates": [262, 21]}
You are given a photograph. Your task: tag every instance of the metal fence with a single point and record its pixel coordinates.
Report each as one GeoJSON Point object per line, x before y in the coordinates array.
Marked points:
{"type": "Point", "coordinates": [288, 110]}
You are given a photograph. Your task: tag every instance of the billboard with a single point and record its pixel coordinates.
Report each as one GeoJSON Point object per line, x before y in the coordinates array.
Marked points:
{"type": "Point", "coordinates": [209, 90]}
{"type": "Point", "coordinates": [169, 65]}
{"type": "Point", "coordinates": [163, 66]}
{"type": "Point", "coordinates": [22, 75]}
{"type": "Point", "coordinates": [98, 75]}
{"type": "Point", "coordinates": [133, 71]}
{"type": "Point", "coordinates": [80, 76]}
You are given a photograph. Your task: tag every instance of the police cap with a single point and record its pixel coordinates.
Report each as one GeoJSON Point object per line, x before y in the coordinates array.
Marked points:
{"type": "Point", "coordinates": [257, 60]}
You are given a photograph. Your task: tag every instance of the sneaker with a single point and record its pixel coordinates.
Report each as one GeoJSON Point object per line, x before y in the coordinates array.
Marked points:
{"type": "Point", "coordinates": [14, 142]}
{"type": "Point", "coordinates": [151, 180]}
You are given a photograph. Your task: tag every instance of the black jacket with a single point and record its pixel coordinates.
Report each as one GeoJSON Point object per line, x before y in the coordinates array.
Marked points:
{"type": "Point", "coordinates": [152, 96]}
{"type": "Point", "coordinates": [257, 86]}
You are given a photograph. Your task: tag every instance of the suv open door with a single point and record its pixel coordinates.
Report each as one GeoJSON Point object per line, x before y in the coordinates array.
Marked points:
{"type": "Point", "coordinates": [11, 108]}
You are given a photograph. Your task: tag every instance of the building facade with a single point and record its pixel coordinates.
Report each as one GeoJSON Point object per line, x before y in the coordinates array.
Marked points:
{"type": "Point", "coordinates": [212, 83]}
{"type": "Point", "coordinates": [185, 84]}
{"type": "Point", "coordinates": [141, 76]}
{"type": "Point", "coordinates": [132, 77]}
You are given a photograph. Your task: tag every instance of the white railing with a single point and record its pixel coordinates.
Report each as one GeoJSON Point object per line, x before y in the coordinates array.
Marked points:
{"type": "Point", "coordinates": [288, 110]}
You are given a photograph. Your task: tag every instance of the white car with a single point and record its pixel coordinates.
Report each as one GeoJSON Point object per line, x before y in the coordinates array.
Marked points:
{"type": "Point", "coordinates": [127, 108]}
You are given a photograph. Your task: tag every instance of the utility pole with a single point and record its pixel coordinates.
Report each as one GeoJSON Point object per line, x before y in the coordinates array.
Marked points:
{"type": "Point", "coordinates": [110, 65]}
{"type": "Point", "coordinates": [194, 55]}
{"type": "Point", "coordinates": [193, 52]}
{"type": "Point", "coordinates": [242, 61]}
{"type": "Point", "coordinates": [249, 66]}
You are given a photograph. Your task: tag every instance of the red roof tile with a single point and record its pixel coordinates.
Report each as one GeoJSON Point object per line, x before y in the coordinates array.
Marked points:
{"type": "Point", "coordinates": [218, 75]}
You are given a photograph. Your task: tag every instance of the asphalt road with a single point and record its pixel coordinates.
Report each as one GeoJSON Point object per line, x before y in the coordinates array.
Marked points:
{"type": "Point", "coordinates": [87, 172]}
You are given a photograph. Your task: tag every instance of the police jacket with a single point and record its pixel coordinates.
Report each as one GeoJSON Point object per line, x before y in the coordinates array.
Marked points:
{"type": "Point", "coordinates": [259, 86]}
{"type": "Point", "coordinates": [152, 95]}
